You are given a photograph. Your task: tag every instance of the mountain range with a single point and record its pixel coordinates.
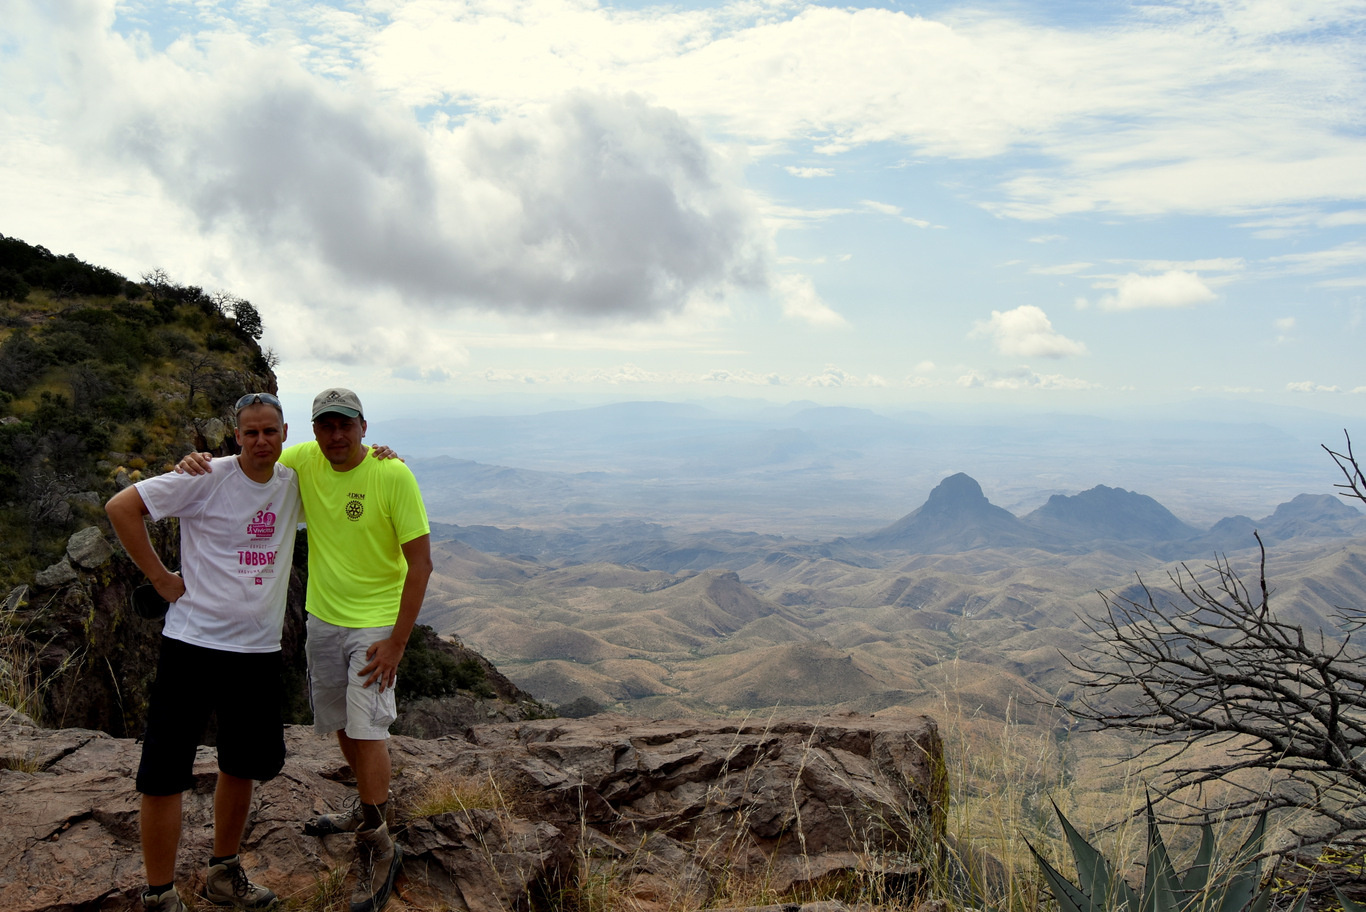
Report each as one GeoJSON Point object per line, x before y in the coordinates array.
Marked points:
{"type": "Point", "coordinates": [956, 517]}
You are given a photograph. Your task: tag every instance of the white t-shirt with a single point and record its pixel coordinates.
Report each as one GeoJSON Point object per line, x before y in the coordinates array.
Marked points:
{"type": "Point", "coordinates": [236, 546]}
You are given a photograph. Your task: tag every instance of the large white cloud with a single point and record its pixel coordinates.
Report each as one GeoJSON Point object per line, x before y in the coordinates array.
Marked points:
{"type": "Point", "coordinates": [1026, 332]}
{"type": "Point", "coordinates": [594, 205]}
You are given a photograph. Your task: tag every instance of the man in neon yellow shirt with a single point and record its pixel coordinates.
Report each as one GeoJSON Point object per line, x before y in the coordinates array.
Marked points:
{"type": "Point", "coordinates": [369, 559]}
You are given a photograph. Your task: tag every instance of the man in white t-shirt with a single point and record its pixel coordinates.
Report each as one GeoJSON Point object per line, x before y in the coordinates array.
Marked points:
{"type": "Point", "coordinates": [220, 648]}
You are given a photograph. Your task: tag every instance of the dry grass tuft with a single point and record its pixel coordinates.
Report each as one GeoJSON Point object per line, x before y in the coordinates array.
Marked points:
{"type": "Point", "coordinates": [21, 680]}
{"type": "Point", "coordinates": [446, 794]}
{"type": "Point", "coordinates": [329, 894]}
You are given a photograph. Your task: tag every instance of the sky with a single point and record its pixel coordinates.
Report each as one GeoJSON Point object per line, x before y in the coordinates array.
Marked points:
{"type": "Point", "coordinates": [1033, 206]}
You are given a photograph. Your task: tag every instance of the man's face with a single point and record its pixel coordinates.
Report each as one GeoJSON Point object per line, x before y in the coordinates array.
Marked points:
{"type": "Point", "coordinates": [339, 437]}
{"type": "Point", "coordinates": [260, 434]}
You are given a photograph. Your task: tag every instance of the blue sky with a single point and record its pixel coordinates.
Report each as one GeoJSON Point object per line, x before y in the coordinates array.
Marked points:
{"type": "Point", "coordinates": [1026, 206]}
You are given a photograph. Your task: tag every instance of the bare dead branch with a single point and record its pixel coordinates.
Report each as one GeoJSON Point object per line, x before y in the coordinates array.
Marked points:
{"type": "Point", "coordinates": [1212, 666]}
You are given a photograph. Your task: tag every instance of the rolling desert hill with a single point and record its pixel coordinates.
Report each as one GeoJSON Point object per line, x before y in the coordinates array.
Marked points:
{"type": "Point", "coordinates": [738, 621]}
{"type": "Point", "coordinates": [749, 625]}
{"type": "Point", "coordinates": [778, 591]}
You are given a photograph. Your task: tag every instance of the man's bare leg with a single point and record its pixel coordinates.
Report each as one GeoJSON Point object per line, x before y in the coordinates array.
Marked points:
{"type": "Point", "coordinates": [231, 805]}
{"type": "Point", "coordinates": [348, 751]}
{"type": "Point", "coordinates": [369, 760]}
{"type": "Point", "coordinates": [159, 822]}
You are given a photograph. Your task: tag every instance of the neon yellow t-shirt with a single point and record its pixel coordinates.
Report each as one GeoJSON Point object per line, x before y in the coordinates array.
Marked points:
{"type": "Point", "coordinates": [357, 524]}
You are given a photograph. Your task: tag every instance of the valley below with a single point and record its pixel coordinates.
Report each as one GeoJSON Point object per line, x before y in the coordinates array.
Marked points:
{"type": "Point", "coordinates": [663, 562]}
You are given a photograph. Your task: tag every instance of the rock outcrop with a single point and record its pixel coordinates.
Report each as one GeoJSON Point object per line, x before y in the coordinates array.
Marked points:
{"type": "Point", "coordinates": [509, 815]}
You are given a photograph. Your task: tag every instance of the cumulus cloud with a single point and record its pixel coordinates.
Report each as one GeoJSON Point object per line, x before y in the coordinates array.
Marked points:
{"type": "Point", "coordinates": [515, 377]}
{"type": "Point", "coordinates": [834, 377]}
{"type": "Point", "coordinates": [421, 375]}
{"type": "Point", "coordinates": [1022, 379]}
{"type": "Point", "coordinates": [1027, 332]}
{"type": "Point", "coordinates": [801, 301]}
{"type": "Point", "coordinates": [1309, 386]}
{"type": "Point", "coordinates": [1176, 288]}
{"type": "Point", "coordinates": [743, 377]}
{"type": "Point", "coordinates": [796, 171]}
{"type": "Point", "coordinates": [593, 205]}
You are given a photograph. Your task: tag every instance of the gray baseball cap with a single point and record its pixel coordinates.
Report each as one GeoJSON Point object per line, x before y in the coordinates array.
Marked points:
{"type": "Point", "coordinates": [339, 400]}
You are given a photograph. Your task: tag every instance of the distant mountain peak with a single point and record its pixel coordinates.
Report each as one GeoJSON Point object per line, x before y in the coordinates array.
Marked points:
{"type": "Point", "coordinates": [957, 490]}
{"type": "Point", "coordinates": [956, 517]}
{"type": "Point", "coordinates": [1109, 513]}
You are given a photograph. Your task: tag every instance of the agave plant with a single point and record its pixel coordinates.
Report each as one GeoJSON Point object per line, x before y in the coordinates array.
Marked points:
{"type": "Point", "coordinates": [1207, 886]}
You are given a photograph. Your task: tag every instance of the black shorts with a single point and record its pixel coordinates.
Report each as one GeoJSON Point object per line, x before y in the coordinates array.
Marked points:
{"type": "Point", "coordinates": [244, 689]}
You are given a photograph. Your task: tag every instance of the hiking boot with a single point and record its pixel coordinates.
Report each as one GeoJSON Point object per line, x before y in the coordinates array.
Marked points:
{"type": "Point", "coordinates": [166, 902]}
{"type": "Point", "coordinates": [347, 821]}
{"type": "Point", "coordinates": [378, 859]}
{"type": "Point", "coordinates": [227, 885]}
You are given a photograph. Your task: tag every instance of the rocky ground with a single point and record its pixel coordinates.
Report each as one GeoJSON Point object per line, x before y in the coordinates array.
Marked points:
{"type": "Point", "coordinates": [660, 814]}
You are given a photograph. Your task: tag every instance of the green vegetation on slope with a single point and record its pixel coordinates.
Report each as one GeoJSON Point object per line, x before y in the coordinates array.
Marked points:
{"type": "Point", "coordinates": [100, 374]}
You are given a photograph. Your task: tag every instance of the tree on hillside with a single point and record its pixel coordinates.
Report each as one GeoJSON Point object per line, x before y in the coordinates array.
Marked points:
{"type": "Point", "coordinates": [248, 319]}
{"type": "Point", "coordinates": [1225, 692]}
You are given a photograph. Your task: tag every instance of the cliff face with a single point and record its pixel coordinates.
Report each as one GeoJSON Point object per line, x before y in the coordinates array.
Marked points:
{"type": "Point", "coordinates": [515, 815]}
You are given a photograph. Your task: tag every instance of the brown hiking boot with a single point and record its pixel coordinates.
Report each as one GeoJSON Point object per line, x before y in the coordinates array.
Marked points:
{"type": "Point", "coordinates": [166, 902]}
{"type": "Point", "coordinates": [378, 859]}
{"type": "Point", "coordinates": [346, 821]}
{"type": "Point", "coordinates": [227, 885]}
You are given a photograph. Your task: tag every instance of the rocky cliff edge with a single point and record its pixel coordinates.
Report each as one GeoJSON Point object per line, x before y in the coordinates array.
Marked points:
{"type": "Point", "coordinates": [514, 815]}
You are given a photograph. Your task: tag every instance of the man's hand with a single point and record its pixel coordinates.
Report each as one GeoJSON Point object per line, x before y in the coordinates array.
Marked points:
{"type": "Point", "coordinates": [170, 587]}
{"type": "Point", "coordinates": [380, 451]}
{"type": "Point", "coordinates": [195, 464]}
{"type": "Point", "coordinates": [384, 657]}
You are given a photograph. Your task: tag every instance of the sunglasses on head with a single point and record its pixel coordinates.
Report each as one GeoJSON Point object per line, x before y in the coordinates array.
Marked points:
{"type": "Point", "coordinates": [257, 399]}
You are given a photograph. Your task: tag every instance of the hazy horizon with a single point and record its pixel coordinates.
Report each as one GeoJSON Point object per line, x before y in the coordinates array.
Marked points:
{"type": "Point", "coordinates": [800, 467]}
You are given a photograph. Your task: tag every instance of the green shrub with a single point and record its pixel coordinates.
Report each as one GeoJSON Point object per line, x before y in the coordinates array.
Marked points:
{"type": "Point", "coordinates": [426, 671]}
{"type": "Point", "coordinates": [12, 286]}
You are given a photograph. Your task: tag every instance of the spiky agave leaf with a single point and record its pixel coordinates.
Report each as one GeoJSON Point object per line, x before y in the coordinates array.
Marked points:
{"type": "Point", "coordinates": [1205, 887]}
{"type": "Point", "coordinates": [1348, 905]}
{"type": "Point", "coordinates": [1197, 876]}
{"type": "Point", "coordinates": [1239, 888]}
{"type": "Point", "coordinates": [1097, 877]}
{"type": "Point", "coordinates": [1161, 888]}
{"type": "Point", "coordinates": [1068, 895]}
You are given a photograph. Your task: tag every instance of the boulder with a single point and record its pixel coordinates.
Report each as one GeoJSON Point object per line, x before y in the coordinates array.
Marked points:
{"type": "Point", "coordinates": [59, 574]}
{"type": "Point", "coordinates": [88, 548]}
{"type": "Point", "coordinates": [506, 816]}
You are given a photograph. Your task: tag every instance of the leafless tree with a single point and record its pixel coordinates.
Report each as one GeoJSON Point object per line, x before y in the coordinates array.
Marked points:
{"type": "Point", "coordinates": [198, 371]}
{"type": "Point", "coordinates": [158, 280]}
{"type": "Point", "coordinates": [1221, 690]}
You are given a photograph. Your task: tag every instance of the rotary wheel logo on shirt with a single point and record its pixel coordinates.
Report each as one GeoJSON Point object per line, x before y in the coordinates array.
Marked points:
{"type": "Point", "coordinates": [354, 509]}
